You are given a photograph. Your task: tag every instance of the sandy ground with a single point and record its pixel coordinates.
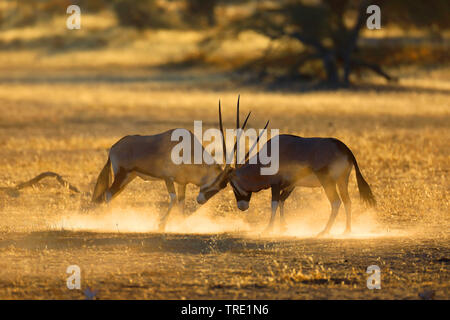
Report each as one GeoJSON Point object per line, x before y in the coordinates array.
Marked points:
{"type": "Point", "coordinates": [64, 121]}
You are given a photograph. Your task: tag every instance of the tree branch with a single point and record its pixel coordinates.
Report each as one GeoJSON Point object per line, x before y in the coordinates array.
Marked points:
{"type": "Point", "coordinates": [375, 68]}
{"type": "Point", "coordinates": [14, 190]}
{"type": "Point", "coordinates": [353, 39]}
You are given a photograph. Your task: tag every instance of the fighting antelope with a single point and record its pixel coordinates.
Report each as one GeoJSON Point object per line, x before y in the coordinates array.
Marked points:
{"type": "Point", "coordinates": [306, 162]}
{"type": "Point", "coordinates": [149, 157]}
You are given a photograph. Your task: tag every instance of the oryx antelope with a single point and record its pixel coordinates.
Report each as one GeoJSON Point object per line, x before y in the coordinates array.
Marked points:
{"type": "Point", "coordinates": [305, 162]}
{"type": "Point", "coordinates": [149, 157]}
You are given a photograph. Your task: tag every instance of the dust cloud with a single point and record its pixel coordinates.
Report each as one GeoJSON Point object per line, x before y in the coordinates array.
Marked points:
{"type": "Point", "coordinates": [202, 221]}
{"type": "Point", "coordinates": [305, 223]}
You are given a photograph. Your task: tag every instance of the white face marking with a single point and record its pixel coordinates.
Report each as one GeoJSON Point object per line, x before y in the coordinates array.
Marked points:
{"type": "Point", "coordinates": [242, 205]}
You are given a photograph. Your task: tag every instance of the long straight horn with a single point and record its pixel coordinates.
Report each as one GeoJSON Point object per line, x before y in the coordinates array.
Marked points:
{"type": "Point", "coordinates": [238, 137]}
{"type": "Point", "coordinates": [256, 142]}
{"type": "Point", "coordinates": [237, 112]}
{"type": "Point", "coordinates": [224, 146]}
{"type": "Point", "coordinates": [237, 130]}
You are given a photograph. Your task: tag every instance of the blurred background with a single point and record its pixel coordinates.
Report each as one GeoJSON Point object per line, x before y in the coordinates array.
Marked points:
{"type": "Point", "coordinates": [275, 43]}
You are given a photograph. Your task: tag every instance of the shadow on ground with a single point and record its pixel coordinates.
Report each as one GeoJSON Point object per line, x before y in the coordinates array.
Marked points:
{"type": "Point", "coordinates": [153, 242]}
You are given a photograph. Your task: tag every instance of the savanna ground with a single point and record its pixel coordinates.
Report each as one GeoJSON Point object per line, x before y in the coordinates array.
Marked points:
{"type": "Point", "coordinates": [62, 109]}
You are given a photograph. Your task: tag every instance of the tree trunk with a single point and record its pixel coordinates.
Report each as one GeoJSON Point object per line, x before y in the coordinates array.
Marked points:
{"type": "Point", "coordinates": [352, 40]}
{"type": "Point", "coordinates": [330, 66]}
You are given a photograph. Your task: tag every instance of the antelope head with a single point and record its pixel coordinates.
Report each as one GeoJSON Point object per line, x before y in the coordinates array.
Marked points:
{"type": "Point", "coordinates": [227, 175]}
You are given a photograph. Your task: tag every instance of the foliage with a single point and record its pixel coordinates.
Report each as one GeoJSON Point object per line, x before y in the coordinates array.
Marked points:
{"type": "Point", "coordinates": [201, 12]}
{"type": "Point", "coordinates": [328, 31]}
{"type": "Point", "coordinates": [431, 14]}
{"type": "Point", "coordinates": [323, 28]}
{"type": "Point", "coordinates": [139, 14]}
{"type": "Point", "coordinates": [21, 13]}
{"type": "Point", "coordinates": [27, 12]}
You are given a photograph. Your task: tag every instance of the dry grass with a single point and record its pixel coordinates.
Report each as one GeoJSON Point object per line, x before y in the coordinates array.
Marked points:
{"type": "Point", "coordinates": [59, 113]}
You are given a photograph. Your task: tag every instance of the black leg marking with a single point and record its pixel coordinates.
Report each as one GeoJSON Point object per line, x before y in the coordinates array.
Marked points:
{"type": "Point", "coordinates": [284, 195]}
{"type": "Point", "coordinates": [181, 196]}
{"type": "Point", "coordinates": [171, 189]}
{"type": "Point", "coordinates": [274, 205]}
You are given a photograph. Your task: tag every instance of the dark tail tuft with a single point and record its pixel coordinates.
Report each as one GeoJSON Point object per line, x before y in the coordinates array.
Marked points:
{"type": "Point", "coordinates": [103, 182]}
{"type": "Point", "coordinates": [364, 189]}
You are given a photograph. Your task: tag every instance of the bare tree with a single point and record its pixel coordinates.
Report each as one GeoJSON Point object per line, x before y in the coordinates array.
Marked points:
{"type": "Point", "coordinates": [329, 32]}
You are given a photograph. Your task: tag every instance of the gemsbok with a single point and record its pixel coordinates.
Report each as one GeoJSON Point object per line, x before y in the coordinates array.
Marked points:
{"type": "Point", "coordinates": [305, 162]}
{"type": "Point", "coordinates": [149, 157]}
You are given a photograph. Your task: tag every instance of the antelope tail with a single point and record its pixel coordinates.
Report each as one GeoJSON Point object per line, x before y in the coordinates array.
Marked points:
{"type": "Point", "coordinates": [103, 183]}
{"type": "Point", "coordinates": [364, 188]}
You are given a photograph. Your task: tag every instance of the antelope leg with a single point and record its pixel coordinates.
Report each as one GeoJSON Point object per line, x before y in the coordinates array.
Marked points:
{"type": "Point", "coordinates": [171, 189]}
{"type": "Point", "coordinates": [120, 181]}
{"type": "Point", "coordinates": [275, 201]}
{"type": "Point", "coordinates": [343, 191]}
{"type": "Point", "coordinates": [330, 190]}
{"type": "Point", "coordinates": [284, 195]}
{"type": "Point", "coordinates": [181, 191]}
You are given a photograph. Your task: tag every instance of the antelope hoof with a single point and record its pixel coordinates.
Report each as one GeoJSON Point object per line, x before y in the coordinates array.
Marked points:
{"type": "Point", "coordinates": [283, 228]}
{"type": "Point", "coordinates": [268, 229]}
{"type": "Point", "coordinates": [347, 232]}
{"type": "Point", "coordinates": [162, 226]}
{"type": "Point", "coordinates": [322, 234]}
